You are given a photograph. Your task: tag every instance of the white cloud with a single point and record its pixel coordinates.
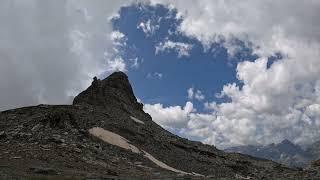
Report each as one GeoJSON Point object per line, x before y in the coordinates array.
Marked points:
{"type": "Point", "coordinates": [148, 27]}
{"type": "Point", "coordinates": [190, 93]}
{"type": "Point", "coordinates": [181, 48]}
{"type": "Point", "coordinates": [195, 94]}
{"type": "Point", "coordinates": [116, 64]}
{"type": "Point", "coordinates": [249, 21]}
{"type": "Point", "coordinates": [155, 75]}
{"type": "Point", "coordinates": [50, 50]}
{"type": "Point", "coordinates": [117, 36]}
{"type": "Point", "coordinates": [274, 103]}
{"type": "Point", "coordinates": [135, 62]}
{"type": "Point", "coordinates": [210, 106]}
{"type": "Point", "coordinates": [170, 117]}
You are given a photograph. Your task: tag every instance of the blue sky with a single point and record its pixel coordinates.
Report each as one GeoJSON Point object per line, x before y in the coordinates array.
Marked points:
{"type": "Point", "coordinates": [207, 70]}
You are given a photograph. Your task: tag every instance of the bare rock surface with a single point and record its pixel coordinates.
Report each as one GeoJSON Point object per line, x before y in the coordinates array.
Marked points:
{"type": "Point", "coordinates": [62, 142]}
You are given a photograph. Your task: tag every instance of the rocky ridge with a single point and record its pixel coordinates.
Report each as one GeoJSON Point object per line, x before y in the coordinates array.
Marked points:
{"type": "Point", "coordinates": [106, 135]}
{"type": "Point", "coordinates": [284, 152]}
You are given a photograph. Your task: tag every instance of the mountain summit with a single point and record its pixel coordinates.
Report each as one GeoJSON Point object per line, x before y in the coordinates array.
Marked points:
{"type": "Point", "coordinates": [106, 135]}
{"type": "Point", "coordinates": [114, 90]}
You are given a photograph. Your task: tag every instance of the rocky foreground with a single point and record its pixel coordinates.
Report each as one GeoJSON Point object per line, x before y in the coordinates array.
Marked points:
{"type": "Point", "coordinates": [106, 135]}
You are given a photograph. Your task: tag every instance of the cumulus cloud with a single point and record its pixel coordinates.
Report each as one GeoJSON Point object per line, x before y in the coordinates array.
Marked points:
{"type": "Point", "coordinates": [195, 94]}
{"type": "Point", "coordinates": [148, 27]}
{"type": "Point", "coordinates": [274, 103]}
{"type": "Point", "coordinates": [181, 48]}
{"type": "Point", "coordinates": [170, 117]}
{"type": "Point", "coordinates": [250, 20]}
{"type": "Point", "coordinates": [118, 38]}
{"type": "Point", "coordinates": [50, 50]}
{"type": "Point", "coordinates": [114, 61]}
{"type": "Point", "coordinates": [115, 64]}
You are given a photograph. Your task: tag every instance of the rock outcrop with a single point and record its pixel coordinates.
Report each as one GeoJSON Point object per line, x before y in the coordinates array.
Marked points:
{"type": "Point", "coordinates": [112, 91]}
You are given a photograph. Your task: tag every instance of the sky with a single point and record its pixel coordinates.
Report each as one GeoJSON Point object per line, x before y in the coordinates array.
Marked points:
{"type": "Point", "coordinates": [222, 72]}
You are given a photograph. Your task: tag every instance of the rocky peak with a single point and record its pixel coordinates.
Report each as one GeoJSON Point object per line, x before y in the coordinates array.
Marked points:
{"type": "Point", "coordinates": [286, 142]}
{"type": "Point", "coordinates": [289, 148]}
{"type": "Point", "coordinates": [113, 90]}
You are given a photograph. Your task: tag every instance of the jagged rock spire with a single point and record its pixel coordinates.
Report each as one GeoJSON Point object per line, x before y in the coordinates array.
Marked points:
{"type": "Point", "coordinates": [113, 90]}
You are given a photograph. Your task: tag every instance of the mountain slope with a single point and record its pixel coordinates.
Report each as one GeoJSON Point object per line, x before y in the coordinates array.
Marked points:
{"type": "Point", "coordinates": [314, 150]}
{"type": "Point", "coordinates": [285, 152]}
{"type": "Point", "coordinates": [105, 134]}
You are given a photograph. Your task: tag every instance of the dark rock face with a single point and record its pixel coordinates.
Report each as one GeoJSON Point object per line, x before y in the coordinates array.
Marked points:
{"type": "Point", "coordinates": [285, 152]}
{"type": "Point", "coordinates": [56, 141]}
{"type": "Point", "coordinates": [112, 91]}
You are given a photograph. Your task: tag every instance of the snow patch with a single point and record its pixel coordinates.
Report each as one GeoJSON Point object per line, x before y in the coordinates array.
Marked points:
{"type": "Point", "coordinates": [117, 140]}
{"type": "Point", "coordinates": [136, 120]}
{"type": "Point", "coordinates": [161, 164]}
{"type": "Point", "coordinates": [112, 138]}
